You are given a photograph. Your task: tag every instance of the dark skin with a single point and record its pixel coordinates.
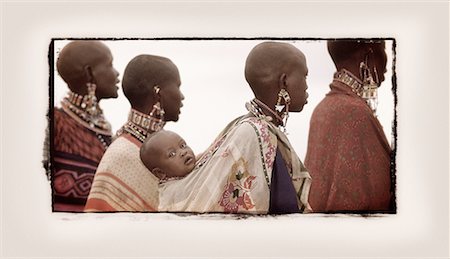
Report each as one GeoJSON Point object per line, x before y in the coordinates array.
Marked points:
{"type": "Point", "coordinates": [169, 95]}
{"type": "Point", "coordinates": [146, 72]}
{"type": "Point", "coordinates": [82, 62]}
{"type": "Point", "coordinates": [272, 66]}
{"type": "Point", "coordinates": [374, 54]}
{"type": "Point", "coordinates": [166, 155]}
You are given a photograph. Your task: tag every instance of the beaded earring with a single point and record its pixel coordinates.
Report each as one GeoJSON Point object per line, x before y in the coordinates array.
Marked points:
{"type": "Point", "coordinates": [369, 85]}
{"type": "Point", "coordinates": [157, 112]}
{"type": "Point", "coordinates": [283, 104]}
{"type": "Point", "coordinates": [90, 100]}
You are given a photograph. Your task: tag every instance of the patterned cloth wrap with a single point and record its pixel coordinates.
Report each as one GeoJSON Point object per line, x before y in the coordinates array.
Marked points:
{"type": "Point", "coordinates": [233, 175]}
{"type": "Point", "coordinates": [77, 152]}
{"type": "Point", "coordinates": [348, 155]}
{"type": "Point", "coordinates": [122, 182]}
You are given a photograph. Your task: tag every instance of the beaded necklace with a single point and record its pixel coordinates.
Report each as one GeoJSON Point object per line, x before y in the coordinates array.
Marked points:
{"type": "Point", "coordinates": [140, 125]}
{"type": "Point", "coordinates": [346, 77]}
{"type": "Point", "coordinates": [75, 106]}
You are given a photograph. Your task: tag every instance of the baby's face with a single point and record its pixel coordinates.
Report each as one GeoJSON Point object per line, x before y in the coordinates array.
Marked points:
{"type": "Point", "coordinates": [173, 156]}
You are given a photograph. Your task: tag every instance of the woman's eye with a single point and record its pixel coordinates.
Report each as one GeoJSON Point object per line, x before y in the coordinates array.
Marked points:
{"type": "Point", "coordinates": [172, 154]}
{"type": "Point", "coordinates": [183, 145]}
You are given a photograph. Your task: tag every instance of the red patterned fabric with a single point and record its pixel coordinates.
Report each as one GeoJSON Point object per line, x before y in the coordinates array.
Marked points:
{"type": "Point", "coordinates": [77, 152]}
{"type": "Point", "coordinates": [348, 155]}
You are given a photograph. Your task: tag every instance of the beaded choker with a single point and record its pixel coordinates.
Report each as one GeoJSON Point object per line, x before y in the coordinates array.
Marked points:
{"type": "Point", "coordinates": [140, 125]}
{"type": "Point", "coordinates": [145, 121]}
{"type": "Point", "coordinates": [75, 106]}
{"type": "Point", "coordinates": [367, 93]}
{"type": "Point", "coordinates": [344, 76]}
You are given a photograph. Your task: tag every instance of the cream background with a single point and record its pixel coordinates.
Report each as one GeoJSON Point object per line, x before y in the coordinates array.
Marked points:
{"type": "Point", "coordinates": [420, 229]}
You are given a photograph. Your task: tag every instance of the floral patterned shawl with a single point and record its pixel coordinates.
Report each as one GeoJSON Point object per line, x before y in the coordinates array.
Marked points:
{"type": "Point", "coordinates": [234, 174]}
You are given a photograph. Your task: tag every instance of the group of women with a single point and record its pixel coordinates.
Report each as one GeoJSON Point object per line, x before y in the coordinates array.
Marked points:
{"type": "Point", "coordinates": [251, 166]}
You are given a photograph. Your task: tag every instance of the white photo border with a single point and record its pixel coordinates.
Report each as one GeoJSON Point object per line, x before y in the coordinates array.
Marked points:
{"type": "Point", "coordinates": [419, 229]}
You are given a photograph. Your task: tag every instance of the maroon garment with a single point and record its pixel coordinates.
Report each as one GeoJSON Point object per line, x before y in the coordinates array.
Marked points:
{"type": "Point", "coordinates": [348, 155]}
{"type": "Point", "coordinates": [77, 152]}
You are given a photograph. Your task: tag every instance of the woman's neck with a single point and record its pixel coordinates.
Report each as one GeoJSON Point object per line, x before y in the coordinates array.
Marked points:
{"type": "Point", "coordinates": [145, 121]}
{"type": "Point", "coordinates": [266, 110]}
{"type": "Point", "coordinates": [269, 112]}
{"type": "Point", "coordinates": [352, 67]}
{"type": "Point", "coordinates": [87, 113]}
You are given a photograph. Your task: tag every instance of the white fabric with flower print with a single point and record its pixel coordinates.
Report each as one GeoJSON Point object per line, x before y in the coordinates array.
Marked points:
{"type": "Point", "coordinates": [233, 176]}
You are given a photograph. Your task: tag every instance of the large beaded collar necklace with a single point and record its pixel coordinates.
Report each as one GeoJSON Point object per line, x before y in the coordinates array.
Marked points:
{"type": "Point", "coordinates": [75, 106]}
{"type": "Point", "coordinates": [346, 77]}
{"type": "Point", "coordinates": [366, 92]}
{"type": "Point", "coordinates": [140, 125]}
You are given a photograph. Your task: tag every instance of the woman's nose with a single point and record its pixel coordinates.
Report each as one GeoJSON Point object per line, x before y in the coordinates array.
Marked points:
{"type": "Point", "coordinates": [183, 153]}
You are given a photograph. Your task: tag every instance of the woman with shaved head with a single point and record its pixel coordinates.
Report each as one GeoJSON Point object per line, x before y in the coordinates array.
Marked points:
{"type": "Point", "coordinates": [81, 132]}
{"type": "Point", "coordinates": [348, 154]}
{"type": "Point", "coordinates": [252, 167]}
{"type": "Point", "coordinates": [122, 182]}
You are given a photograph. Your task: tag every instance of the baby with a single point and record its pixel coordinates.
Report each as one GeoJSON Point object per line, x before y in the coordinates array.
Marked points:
{"type": "Point", "coordinates": [167, 156]}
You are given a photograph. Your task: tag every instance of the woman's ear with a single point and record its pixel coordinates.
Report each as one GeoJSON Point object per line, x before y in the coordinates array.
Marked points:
{"type": "Point", "coordinates": [89, 74]}
{"type": "Point", "coordinates": [156, 93]}
{"type": "Point", "coordinates": [282, 81]}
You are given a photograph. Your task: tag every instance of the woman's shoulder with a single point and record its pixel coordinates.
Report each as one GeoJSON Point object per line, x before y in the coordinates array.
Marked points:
{"type": "Point", "coordinates": [67, 129]}
{"type": "Point", "coordinates": [122, 158]}
{"type": "Point", "coordinates": [256, 127]}
{"type": "Point", "coordinates": [341, 108]}
{"type": "Point", "coordinates": [61, 118]}
{"type": "Point", "coordinates": [255, 123]}
{"type": "Point", "coordinates": [122, 148]}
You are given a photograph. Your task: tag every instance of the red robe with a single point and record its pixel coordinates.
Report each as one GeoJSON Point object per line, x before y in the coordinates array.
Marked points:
{"type": "Point", "coordinates": [348, 155]}
{"type": "Point", "coordinates": [77, 152]}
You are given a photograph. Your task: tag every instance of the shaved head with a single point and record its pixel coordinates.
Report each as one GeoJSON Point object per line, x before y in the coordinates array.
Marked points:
{"type": "Point", "coordinates": [151, 149]}
{"type": "Point", "coordinates": [348, 54]}
{"type": "Point", "coordinates": [143, 73]}
{"type": "Point", "coordinates": [341, 51]}
{"type": "Point", "coordinates": [267, 62]}
{"type": "Point", "coordinates": [166, 154]}
{"type": "Point", "coordinates": [75, 57]}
